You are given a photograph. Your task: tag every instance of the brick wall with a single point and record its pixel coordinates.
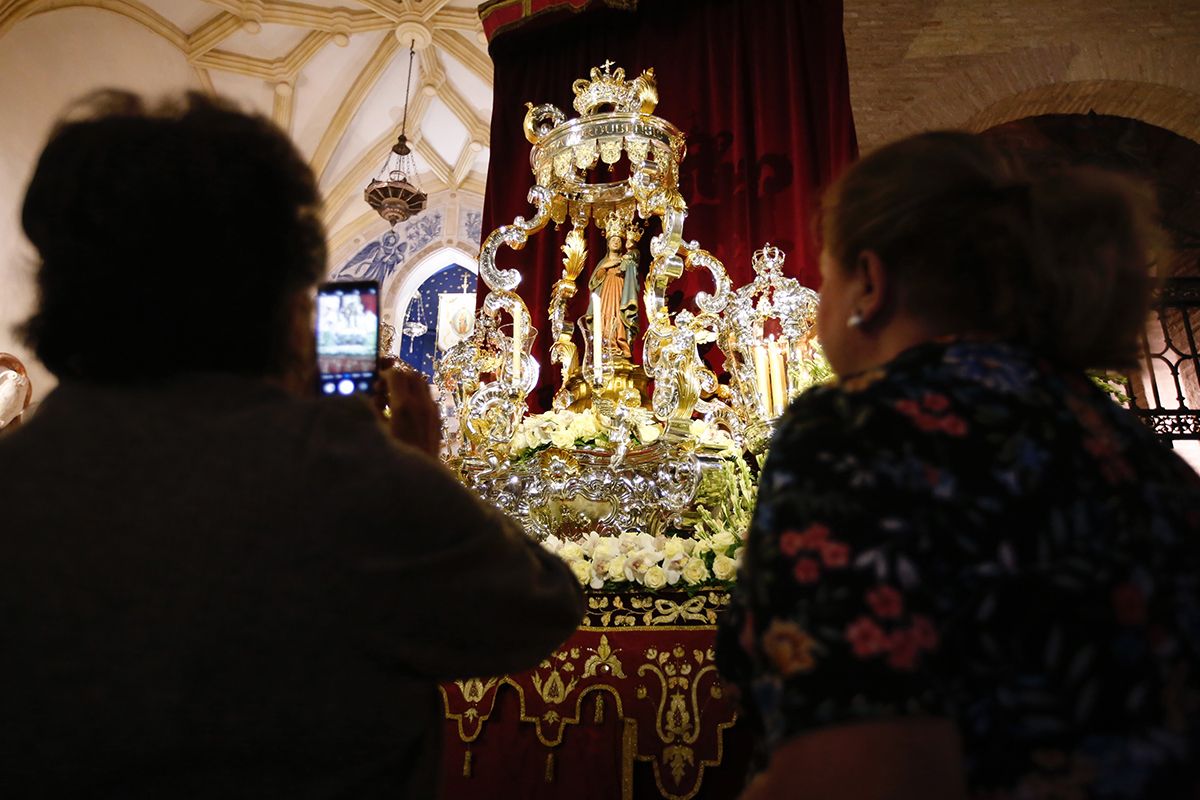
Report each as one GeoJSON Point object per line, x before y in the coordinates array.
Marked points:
{"type": "Point", "coordinates": [922, 64]}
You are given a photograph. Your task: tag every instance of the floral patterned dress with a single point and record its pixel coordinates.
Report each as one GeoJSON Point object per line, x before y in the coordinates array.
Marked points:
{"type": "Point", "coordinates": [970, 533]}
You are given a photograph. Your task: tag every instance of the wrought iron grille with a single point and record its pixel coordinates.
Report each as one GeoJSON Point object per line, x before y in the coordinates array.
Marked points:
{"type": "Point", "coordinates": [1167, 395]}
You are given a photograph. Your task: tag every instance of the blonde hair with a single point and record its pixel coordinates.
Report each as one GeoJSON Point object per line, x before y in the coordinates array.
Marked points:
{"type": "Point", "coordinates": [1058, 262]}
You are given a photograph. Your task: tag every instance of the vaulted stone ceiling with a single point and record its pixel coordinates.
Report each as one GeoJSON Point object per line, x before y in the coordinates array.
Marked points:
{"type": "Point", "coordinates": [332, 73]}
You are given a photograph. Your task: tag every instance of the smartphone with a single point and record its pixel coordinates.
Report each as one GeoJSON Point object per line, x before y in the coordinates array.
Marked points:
{"type": "Point", "coordinates": [347, 337]}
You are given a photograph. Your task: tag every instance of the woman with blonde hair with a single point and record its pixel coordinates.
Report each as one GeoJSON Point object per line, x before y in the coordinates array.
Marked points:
{"type": "Point", "coordinates": [970, 573]}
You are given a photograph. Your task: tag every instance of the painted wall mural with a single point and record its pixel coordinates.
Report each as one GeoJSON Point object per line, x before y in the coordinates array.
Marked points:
{"type": "Point", "coordinates": [381, 257]}
{"type": "Point", "coordinates": [472, 226]}
{"type": "Point", "coordinates": [445, 305]}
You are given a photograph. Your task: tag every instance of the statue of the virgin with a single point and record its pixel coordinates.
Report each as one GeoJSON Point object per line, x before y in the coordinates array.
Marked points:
{"type": "Point", "coordinates": [614, 280]}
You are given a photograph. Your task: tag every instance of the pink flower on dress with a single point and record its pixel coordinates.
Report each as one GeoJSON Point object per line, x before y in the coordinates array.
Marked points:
{"type": "Point", "coordinates": [902, 650]}
{"type": "Point", "coordinates": [807, 571]}
{"type": "Point", "coordinates": [935, 402]}
{"type": "Point", "coordinates": [953, 426]}
{"type": "Point", "coordinates": [815, 534]}
{"type": "Point", "coordinates": [835, 554]}
{"type": "Point", "coordinates": [867, 638]}
{"type": "Point", "coordinates": [934, 422]}
{"type": "Point", "coordinates": [927, 422]}
{"type": "Point", "coordinates": [924, 633]}
{"type": "Point", "coordinates": [886, 602]}
{"type": "Point", "coordinates": [791, 543]}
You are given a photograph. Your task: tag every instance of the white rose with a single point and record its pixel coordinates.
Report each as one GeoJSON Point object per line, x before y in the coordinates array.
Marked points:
{"type": "Point", "coordinates": [582, 570]}
{"type": "Point", "coordinates": [571, 551]}
{"type": "Point", "coordinates": [673, 548]}
{"type": "Point", "coordinates": [695, 571]}
{"type": "Point", "coordinates": [724, 568]}
{"type": "Point", "coordinates": [604, 551]}
{"type": "Point", "coordinates": [655, 578]}
{"type": "Point", "coordinates": [552, 543]}
{"type": "Point", "coordinates": [616, 568]}
{"type": "Point", "coordinates": [583, 426]}
{"type": "Point", "coordinates": [628, 541]}
{"type": "Point", "coordinates": [702, 546]}
{"type": "Point", "coordinates": [737, 555]}
{"type": "Point", "coordinates": [562, 437]}
{"type": "Point", "coordinates": [723, 541]}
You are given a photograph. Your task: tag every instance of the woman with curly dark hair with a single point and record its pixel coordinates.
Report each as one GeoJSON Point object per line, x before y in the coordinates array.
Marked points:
{"type": "Point", "coordinates": [212, 586]}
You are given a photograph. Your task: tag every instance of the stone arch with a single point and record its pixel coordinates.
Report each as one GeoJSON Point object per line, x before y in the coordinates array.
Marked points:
{"type": "Point", "coordinates": [400, 292]}
{"type": "Point", "coordinates": [1154, 84]}
{"type": "Point", "coordinates": [130, 9]}
{"type": "Point", "coordinates": [1174, 109]}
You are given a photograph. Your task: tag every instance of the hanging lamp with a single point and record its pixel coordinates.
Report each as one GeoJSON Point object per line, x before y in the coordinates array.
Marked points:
{"type": "Point", "coordinates": [394, 193]}
{"type": "Point", "coordinates": [414, 326]}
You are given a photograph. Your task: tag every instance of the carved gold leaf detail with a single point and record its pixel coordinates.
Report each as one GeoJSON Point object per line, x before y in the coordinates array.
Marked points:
{"type": "Point", "coordinates": [473, 689]}
{"type": "Point", "coordinates": [677, 758]}
{"type": "Point", "coordinates": [603, 656]}
{"type": "Point", "coordinates": [552, 689]}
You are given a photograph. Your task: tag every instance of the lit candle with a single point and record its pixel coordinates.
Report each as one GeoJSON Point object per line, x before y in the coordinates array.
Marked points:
{"type": "Point", "coordinates": [762, 379]}
{"type": "Point", "coordinates": [597, 364]}
{"type": "Point", "coordinates": [518, 336]}
{"type": "Point", "coordinates": [779, 387]}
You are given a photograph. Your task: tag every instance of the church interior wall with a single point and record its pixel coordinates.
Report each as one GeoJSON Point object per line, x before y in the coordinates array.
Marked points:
{"type": "Point", "coordinates": [47, 61]}
{"type": "Point", "coordinates": [914, 65]}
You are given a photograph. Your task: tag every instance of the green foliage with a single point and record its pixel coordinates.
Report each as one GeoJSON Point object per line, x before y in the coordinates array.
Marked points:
{"type": "Point", "coordinates": [817, 367]}
{"type": "Point", "coordinates": [730, 497]}
{"type": "Point", "coordinates": [1113, 384]}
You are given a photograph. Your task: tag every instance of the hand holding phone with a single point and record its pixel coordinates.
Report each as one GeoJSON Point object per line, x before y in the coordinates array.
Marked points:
{"type": "Point", "coordinates": [412, 416]}
{"type": "Point", "coordinates": [347, 337]}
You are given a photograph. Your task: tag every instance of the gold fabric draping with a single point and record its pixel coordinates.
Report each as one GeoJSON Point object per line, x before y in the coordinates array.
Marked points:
{"type": "Point", "coordinates": [639, 675]}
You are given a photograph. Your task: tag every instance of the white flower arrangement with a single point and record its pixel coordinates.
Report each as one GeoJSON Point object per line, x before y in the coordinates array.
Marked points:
{"type": "Point", "coordinates": [570, 429]}
{"type": "Point", "coordinates": [653, 562]}
{"type": "Point", "coordinates": [714, 439]}
{"type": "Point", "coordinates": [710, 556]}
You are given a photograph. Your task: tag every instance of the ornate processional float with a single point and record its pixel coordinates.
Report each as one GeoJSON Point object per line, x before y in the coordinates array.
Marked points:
{"type": "Point", "coordinates": [635, 450]}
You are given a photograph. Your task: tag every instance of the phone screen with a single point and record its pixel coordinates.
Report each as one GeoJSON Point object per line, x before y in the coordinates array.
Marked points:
{"type": "Point", "coordinates": [347, 337]}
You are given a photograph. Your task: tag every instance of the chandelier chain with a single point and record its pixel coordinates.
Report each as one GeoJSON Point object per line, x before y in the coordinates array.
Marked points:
{"type": "Point", "coordinates": [408, 85]}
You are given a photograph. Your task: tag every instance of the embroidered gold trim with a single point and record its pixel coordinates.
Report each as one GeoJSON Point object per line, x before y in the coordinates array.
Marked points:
{"type": "Point", "coordinates": [635, 611]}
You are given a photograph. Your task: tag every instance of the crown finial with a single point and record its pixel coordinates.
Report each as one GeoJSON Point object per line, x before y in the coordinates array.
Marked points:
{"type": "Point", "coordinates": [607, 91]}
{"type": "Point", "coordinates": [768, 260]}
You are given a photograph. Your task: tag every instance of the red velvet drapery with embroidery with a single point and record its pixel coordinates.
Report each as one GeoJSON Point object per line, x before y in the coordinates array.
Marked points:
{"type": "Point", "coordinates": [759, 87]}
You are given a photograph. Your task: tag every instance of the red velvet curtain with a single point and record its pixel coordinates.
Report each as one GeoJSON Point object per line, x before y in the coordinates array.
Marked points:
{"type": "Point", "coordinates": [759, 87]}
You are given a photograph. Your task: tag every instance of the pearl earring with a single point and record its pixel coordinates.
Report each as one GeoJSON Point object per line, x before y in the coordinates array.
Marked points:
{"type": "Point", "coordinates": [855, 320]}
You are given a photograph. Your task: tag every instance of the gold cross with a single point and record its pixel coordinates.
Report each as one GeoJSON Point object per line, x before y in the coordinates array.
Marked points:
{"type": "Point", "coordinates": [607, 63]}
